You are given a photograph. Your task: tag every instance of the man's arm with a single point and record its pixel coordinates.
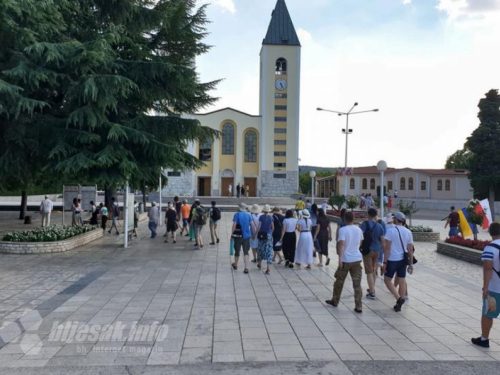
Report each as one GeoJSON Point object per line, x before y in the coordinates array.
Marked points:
{"type": "Point", "coordinates": [341, 251]}
{"type": "Point", "coordinates": [387, 250]}
{"type": "Point", "coordinates": [487, 271]}
{"type": "Point", "coordinates": [447, 222]}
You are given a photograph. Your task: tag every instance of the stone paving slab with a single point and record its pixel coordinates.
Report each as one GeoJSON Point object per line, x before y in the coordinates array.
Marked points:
{"type": "Point", "coordinates": [214, 314]}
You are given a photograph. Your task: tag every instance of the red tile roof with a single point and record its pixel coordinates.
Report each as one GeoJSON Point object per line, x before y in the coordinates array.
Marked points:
{"type": "Point", "coordinates": [432, 172]}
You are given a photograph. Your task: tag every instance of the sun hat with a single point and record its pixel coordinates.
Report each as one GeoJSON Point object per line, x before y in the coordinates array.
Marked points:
{"type": "Point", "coordinates": [400, 216]}
{"type": "Point", "coordinates": [389, 218]}
{"type": "Point", "coordinates": [255, 209]}
{"type": "Point", "coordinates": [277, 210]}
{"type": "Point", "coordinates": [306, 213]}
{"type": "Point", "coordinates": [153, 204]}
{"type": "Point", "coordinates": [267, 208]}
{"type": "Point", "coordinates": [242, 206]}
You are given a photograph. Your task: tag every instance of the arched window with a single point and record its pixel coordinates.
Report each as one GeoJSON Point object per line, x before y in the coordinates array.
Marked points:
{"type": "Point", "coordinates": [228, 139]}
{"type": "Point", "coordinates": [352, 184]}
{"type": "Point", "coordinates": [410, 183]}
{"type": "Point", "coordinates": [251, 146]}
{"type": "Point", "coordinates": [440, 185]}
{"type": "Point", "coordinates": [281, 66]}
{"type": "Point", "coordinates": [447, 185]}
{"type": "Point", "coordinates": [372, 184]}
{"type": "Point", "coordinates": [402, 183]}
{"type": "Point", "coordinates": [365, 184]}
{"type": "Point", "coordinates": [205, 153]}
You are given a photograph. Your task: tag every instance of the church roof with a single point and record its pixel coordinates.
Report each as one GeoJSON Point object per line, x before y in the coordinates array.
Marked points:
{"type": "Point", "coordinates": [281, 30]}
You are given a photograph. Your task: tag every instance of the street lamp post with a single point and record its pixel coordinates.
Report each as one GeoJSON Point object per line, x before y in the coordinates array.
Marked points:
{"type": "Point", "coordinates": [347, 131]}
{"type": "Point", "coordinates": [382, 167]}
{"type": "Point", "coordinates": [312, 174]}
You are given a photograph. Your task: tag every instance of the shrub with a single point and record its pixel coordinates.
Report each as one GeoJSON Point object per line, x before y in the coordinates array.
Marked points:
{"type": "Point", "coordinates": [54, 233]}
{"type": "Point", "coordinates": [420, 229]}
{"type": "Point", "coordinates": [473, 244]}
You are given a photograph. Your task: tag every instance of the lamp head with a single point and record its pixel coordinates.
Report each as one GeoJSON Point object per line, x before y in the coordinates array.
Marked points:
{"type": "Point", "coordinates": [319, 109]}
{"type": "Point", "coordinates": [355, 104]}
{"type": "Point", "coordinates": [375, 110]}
{"type": "Point", "coordinates": [382, 166]}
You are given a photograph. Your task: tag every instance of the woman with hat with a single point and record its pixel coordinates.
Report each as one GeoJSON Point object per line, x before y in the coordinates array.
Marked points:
{"type": "Point", "coordinates": [255, 211]}
{"type": "Point", "coordinates": [304, 254]}
{"type": "Point", "coordinates": [264, 234]}
{"type": "Point", "coordinates": [278, 226]}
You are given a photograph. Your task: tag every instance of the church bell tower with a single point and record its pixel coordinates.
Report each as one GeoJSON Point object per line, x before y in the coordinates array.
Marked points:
{"type": "Point", "coordinates": [280, 105]}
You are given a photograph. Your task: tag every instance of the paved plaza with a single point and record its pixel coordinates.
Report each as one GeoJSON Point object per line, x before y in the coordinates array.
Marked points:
{"type": "Point", "coordinates": [213, 315]}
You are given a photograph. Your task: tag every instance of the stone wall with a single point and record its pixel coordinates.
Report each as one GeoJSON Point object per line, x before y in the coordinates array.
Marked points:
{"type": "Point", "coordinates": [279, 187]}
{"type": "Point", "coordinates": [460, 252]}
{"type": "Point", "coordinates": [181, 186]}
{"type": "Point", "coordinates": [425, 236]}
{"type": "Point", "coordinates": [49, 247]}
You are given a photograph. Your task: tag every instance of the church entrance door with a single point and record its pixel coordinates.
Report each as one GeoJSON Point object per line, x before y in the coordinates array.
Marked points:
{"type": "Point", "coordinates": [225, 182]}
{"type": "Point", "coordinates": [252, 185]}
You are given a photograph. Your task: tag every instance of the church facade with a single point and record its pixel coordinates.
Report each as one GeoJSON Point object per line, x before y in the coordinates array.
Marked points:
{"type": "Point", "coordinates": [256, 151]}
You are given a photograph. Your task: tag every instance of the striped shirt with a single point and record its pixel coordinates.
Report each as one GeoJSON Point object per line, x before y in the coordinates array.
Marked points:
{"type": "Point", "coordinates": [492, 254]}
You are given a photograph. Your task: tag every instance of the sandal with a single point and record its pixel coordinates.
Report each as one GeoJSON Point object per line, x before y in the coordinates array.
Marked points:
{"type": "Point", "coordinates": [235, 267]}
{"type": "Point", "coordinates": [259, 266]}
{"type": "Point", "coordinates": [268, 272]}
{"type": "Point", "coordinates": [246, 270]}
{"type": "Point", "coordinates": [308, 267]}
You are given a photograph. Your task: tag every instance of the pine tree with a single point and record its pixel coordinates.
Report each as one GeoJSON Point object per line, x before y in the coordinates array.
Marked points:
{"type": "Point", "coordinates": [484, 143]}
{"type": "Point", "coordinates": [106, 79]}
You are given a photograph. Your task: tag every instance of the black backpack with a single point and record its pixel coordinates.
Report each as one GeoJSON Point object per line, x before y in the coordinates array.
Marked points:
{"type": "Point", "coordinates": [216, 216]}
{"type": "Point", "coordinates": [367, 239]}
{"type": "Point", "coordinates": [201, 216]}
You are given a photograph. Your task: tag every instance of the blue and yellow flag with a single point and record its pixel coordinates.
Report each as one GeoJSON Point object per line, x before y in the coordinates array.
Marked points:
{"type": "Point", "coordinates": [465, 227]}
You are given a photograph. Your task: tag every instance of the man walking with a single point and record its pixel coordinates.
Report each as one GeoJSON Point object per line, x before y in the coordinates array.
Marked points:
{"type": "Point", "coordinates": [241, 233]}
{"type": "Point", "coordinates": [491, 286]}
{"type": "Point", "coordinates": [185, 211]}
{"type": "Point", "coordinates": [398, 257]}
{"type": "Point", "coordinates": [198, 220]}
{"type": "Point", "coordinates": [115, 210]}
{"type": "Point", "coordinates": [452, 221]}
{"type": "Point", "coordinates": [46, 208]}
{"type": "Point", "coordinates": [154, 217]}
{"type": "Point", "coordinates": [215, 216]}
{"type": "Point", "coordinates": [371, 247]}
{"type": "Point", "coordinates": [350, 238]}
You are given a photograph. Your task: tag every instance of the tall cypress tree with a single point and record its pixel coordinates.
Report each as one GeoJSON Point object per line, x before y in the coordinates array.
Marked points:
{"type": "Point", "coordinates": [484, 143]}
{"type": "Point", "coordinates": [106, 85]}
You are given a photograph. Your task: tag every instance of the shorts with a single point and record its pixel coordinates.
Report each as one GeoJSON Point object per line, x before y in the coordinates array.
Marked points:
{"type": "Point", "coordinates": [239, 243]}
{"type": "Point", "coordinates": [214, 222]}
{"type": "Point", "coordinates": [370, 261]}
{"type": "Point", "coordinates": [185, 223]}
{"type": "Point", "coordinates": [491, 314]}
{"type": "Point", "coordinates": [453, 232]}
{"type": "Point", "coordinates": [171, 227]}
{"type": "Point", "coordinates": [197, 229]}
{"type": "Point", "coordinates": [396, 267]}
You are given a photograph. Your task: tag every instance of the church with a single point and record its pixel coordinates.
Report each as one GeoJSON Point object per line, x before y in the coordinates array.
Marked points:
{"type": "Point", "coordinates": [256, 151]}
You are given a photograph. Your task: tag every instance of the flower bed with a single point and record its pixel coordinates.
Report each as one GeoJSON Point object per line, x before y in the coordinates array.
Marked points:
{"type": "Point", "coordinates": [460, 252]}
{"type": "Point", "coordinates": [472, 244]}
{"type": "Point", "coordinates": [50, 234]}
{"type": "Point", "coordinates": [42, 247]}
{"type": "Point", "coordinates": [420, 229]}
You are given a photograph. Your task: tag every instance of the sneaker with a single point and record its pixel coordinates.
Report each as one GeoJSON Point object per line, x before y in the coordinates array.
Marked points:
{"type": "Point", "coordinates": [327, 261]}
{"type": "Point", "coordinates": [186, 235]}
{"type": "Point", "coordinates": [358, 311]}
{"type": "Point", "coordinates": [287, 263]}
{"type": "Point", "coordinates": [212, 243]}
{"type": "Point", "coordinates": [371, 296]}
{"type": "Point", "coordinates": [291, 265]}
{"type": "Point", "coordinates": [399, 304]}
{"type": "Point", "coordinates": [175, 241]}
{"type": "Point", "coordinates": [217, 240]}
{"type": "Point", "coordinates": [320, 264]}
{"type": "Point", "coordinates": [254, 260]}
{"type": "Point", "coordinates": [482, 343]}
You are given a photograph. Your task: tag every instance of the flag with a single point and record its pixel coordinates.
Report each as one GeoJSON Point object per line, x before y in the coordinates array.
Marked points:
{"type": "Point", "coordinates": [480, 211]}
{"type": "Point", "coordinates": [465, 227]}
{"type": "Point", "coordinates": [485, 204]}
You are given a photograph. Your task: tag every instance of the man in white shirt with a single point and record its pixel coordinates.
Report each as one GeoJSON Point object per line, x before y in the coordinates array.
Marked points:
{"type": "Point", "coordinates": [46, 208]}
{"type": "Point", "coordinates": [324, 206]}
{"type": "Point", "coordinates": [350, 258]}
{"type": "Point", "coordinates": [398, 241]}
{"type": "Point", "coordinates": [491, 286]}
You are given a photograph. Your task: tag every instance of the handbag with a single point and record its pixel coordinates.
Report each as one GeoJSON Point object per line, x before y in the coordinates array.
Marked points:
{"type": "Point", "coordinates": [262, 236]}
{"type": "Point", "coordinates": [406, 257]}
{"type": "Point", "coordinates": [238, 233]}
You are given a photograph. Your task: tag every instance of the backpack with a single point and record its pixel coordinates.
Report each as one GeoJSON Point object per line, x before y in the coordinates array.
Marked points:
{"type": "Point", "coordinates": [201, 216]}
{"type": "Point", "coordinates": [498, 248]}
{"type": "Point", "coordinates": [216, 216]}
{"type": "Point", "coordinates": [116, 210]}
{"type": "Point", "coordinates": [367, 239]}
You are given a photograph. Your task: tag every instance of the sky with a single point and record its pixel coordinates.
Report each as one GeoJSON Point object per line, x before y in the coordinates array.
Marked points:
{"type": "Point", "coordinates": [425, 64]}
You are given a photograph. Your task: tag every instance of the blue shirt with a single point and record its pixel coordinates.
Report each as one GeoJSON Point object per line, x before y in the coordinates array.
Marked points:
{"type": "Point", "coordinates": [378, 232]}
{"type": "Point", "coordinates": [243, 219]}
{"type": "Point", "coordinates": [266, 222]}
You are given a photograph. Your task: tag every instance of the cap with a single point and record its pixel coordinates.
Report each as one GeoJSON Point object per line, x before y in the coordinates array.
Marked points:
{"type": "Point", "coordinates": [400, 216]}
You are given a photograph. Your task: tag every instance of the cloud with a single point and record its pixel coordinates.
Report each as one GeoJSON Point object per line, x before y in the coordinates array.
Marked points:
{"type": "Point", "coordinates": [226, 5]}
{"type": "Point", "coordinates": [470, 10]}
{"type": "Point", "coordinates": [406, 2]}
{"type": "Point", "coordinates": [304, 36]}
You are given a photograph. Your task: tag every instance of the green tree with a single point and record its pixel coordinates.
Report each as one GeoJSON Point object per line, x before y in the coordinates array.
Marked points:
{"type": "Point", "coordinates": [484, 143]}
{"type": "Point", "coordinates": [461, 159]}
{"type": "Point", "coordinates": [408, 209]}
{"type": "Point", "coordinates": [305, 180]}
{"type": "Point", "coordinates": [106, 81]}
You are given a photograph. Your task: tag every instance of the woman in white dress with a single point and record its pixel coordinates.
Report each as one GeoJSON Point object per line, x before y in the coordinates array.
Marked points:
{"type": "Point", "coordinates": [305, 247]}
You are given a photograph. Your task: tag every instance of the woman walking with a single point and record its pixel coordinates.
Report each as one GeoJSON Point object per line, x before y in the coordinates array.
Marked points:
{"type": "Point", "coordinates": [278, 226]}
{"type": "Point", "coordinates": [95, 213]}
{"type": "Point", "coordinates": [172, 226]}
{"type": "Point", "coordinates": [314, 219]}
{"type": "Point", "coordinates": [323, 235]}
{"type": "Point", "coordinates": [104, 216]}
{"type": "Point", "coordinates": [289, 238]}
{"type": "Point", "coordinates": [254, 243]}
{"type": "Point", "coordinates": [305, 246]}
{"type": "Point", "coordinates": [264, 235]}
